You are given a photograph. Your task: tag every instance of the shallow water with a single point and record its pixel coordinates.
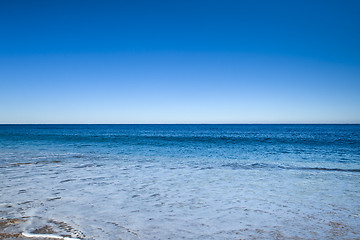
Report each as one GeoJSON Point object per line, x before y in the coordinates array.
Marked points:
{"type": "Point", "coordinates": [183, 181]}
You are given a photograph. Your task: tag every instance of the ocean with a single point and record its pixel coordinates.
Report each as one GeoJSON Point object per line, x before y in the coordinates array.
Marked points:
{"type": "Point", "coordinates": [105, 182]}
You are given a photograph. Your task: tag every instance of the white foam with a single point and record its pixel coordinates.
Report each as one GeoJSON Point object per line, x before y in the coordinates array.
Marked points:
{"type": "Point", "coordinates": [31, 235]}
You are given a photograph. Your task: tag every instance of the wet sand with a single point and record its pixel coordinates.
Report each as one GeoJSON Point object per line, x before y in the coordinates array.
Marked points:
{"type": "Point", "coordinates": [11, 229]}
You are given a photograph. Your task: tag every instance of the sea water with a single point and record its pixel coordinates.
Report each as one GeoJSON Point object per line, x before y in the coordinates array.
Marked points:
{"type": "Point", "coordinates": [182, 181]}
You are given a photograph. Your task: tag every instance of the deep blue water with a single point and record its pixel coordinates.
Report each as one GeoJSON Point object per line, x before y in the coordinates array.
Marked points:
{"type": "Point", "coordinates": [192, 181]}
{"type": "Point", "coordinates": [286, 146]}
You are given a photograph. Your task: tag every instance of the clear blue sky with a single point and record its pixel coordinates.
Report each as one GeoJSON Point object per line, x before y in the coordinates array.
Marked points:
{"type": "Point", "coordinates": [222, 61]}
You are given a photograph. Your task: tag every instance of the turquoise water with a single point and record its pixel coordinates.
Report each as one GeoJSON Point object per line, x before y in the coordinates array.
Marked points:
{"type": "Point", "coordinates": [184, 181]}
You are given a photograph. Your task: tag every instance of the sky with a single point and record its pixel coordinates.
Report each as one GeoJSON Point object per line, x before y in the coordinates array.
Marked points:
{"type": "Point", "coordinates": [73, 61]}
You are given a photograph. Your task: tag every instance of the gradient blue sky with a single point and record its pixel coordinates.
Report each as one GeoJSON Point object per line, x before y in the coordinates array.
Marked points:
{"type": "Point", "coordinates": [179, 61]}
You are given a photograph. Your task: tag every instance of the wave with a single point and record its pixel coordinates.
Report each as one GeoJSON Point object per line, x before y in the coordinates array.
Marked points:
{"type": "Point", "coordinates": [330, 169]}
{"type": "Point", "coordinates": [255, 166]}
{"type": "Point", "coordinates": [166, 139]}
{"type": "Point", "coordinates": [48, 236]}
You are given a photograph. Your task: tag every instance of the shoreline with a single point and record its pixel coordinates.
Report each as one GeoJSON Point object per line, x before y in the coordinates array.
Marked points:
{"type": "Point", "coordinates": [11, 228]}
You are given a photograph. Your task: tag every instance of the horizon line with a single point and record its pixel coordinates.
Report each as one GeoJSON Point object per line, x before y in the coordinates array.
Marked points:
{"type": "Point", "coordinates": [316, 123]}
